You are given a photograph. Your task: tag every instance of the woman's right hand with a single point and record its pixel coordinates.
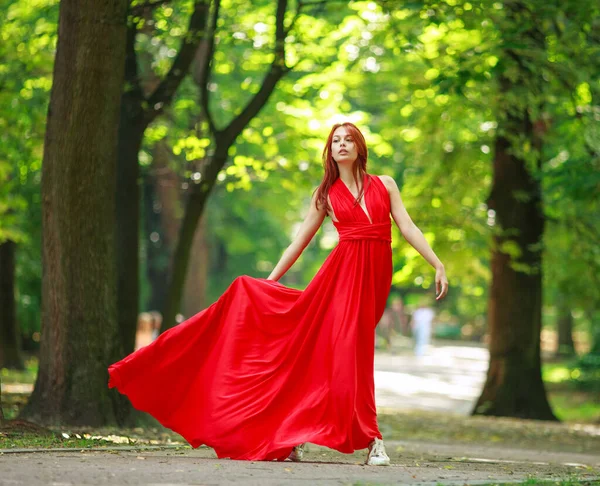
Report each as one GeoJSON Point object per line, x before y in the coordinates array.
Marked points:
{"type": "Point", "coordinates": [441, 283]}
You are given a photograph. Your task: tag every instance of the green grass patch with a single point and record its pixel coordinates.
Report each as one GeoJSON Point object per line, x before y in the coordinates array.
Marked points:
{"type": "Point", "coordinates": [575, 406]}
{"type": "Point", "coordinates": [545, 482]}
{"type": "Point", "coordinates": [511, 432]}
{"type": "Point", "coordinates": [87, 438]}
{"type": "Point", "coordinates": [573, 390]}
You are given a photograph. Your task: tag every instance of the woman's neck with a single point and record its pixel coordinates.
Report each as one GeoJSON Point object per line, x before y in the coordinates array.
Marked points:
{"type": "Point", "coordinates": [348, 177]}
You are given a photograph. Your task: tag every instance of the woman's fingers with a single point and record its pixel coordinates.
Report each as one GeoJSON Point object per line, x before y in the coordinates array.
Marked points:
{"type": "Point", "coordinates": [444, 289]}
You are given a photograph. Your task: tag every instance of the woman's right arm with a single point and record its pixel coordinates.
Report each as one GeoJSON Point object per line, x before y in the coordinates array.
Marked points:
{"type": "Point", "coordinates": [307, 230]}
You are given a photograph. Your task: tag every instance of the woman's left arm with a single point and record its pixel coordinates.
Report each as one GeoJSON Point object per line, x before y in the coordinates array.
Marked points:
{"type": "Point", "coordinates": [414, 236]}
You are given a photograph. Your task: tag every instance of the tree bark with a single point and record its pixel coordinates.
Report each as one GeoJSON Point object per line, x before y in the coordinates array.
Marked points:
{"type": "Point", "coordinates": [10, 338]}
{"type": "Point", "coordinates": [79, 336]}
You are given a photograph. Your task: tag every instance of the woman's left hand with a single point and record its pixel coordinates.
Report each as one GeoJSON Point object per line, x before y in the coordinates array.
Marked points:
{"type": "Point", "coordinates": [441, 283]}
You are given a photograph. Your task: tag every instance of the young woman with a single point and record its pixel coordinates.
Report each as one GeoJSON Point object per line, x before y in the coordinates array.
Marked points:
{"type": "Point", "coordinates": [267, 368]}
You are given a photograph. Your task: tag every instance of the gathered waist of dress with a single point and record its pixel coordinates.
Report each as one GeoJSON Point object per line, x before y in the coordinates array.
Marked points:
{"type": "Point", "coordinates": [364, 231]}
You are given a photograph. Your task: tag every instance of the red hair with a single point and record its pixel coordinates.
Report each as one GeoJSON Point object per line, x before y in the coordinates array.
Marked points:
{"type": "Point", "coordinates": [332, 173]}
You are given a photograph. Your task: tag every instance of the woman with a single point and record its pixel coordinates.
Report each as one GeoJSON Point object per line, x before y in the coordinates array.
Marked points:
{"type": "Point", "coordinates": [267, 368]}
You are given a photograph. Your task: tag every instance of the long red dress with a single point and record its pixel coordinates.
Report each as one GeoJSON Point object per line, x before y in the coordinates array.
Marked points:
{"type": "Point", "coordinates": [267, 367]}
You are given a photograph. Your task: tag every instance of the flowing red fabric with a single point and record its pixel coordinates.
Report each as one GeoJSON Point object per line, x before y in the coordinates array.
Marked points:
{"type": "Point", "coordinates": [267, 367]}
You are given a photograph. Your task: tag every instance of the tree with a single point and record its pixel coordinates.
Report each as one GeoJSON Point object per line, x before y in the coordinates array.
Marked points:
{"type": "Point", "coordinates": [224, 138]}
{"type": "Point", "coordinates": [142, 104]}
{"type": "Point", "coordinates": [536, 65]}
{"type": "Point", "coordinates": [10, 344]}
{"type": "Point", "coordinates": [79, 326]}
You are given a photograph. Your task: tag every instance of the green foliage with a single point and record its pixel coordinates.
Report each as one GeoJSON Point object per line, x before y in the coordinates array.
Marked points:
{"type": "Point", "coordinates": [582, 373]}
{"type": "Point", "coordinates": [27, 43]}
{"type": "Point", "coordinates": [420, 78]}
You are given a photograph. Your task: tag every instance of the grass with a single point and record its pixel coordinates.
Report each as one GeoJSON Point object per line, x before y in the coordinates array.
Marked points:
{"type": "Point", "coordinates": [510, 432]}
{"type": "Point", "coordinates": [571, 401]}
{"type": "Point", "coordinates": [544, 482]}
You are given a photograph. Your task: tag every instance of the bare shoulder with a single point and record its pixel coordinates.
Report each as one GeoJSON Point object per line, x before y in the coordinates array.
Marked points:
{"type": "Point", "coordinates": [388, 182]}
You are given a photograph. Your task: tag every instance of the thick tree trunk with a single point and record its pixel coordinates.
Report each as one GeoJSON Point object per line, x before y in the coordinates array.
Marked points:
{"type": "Point", "coordinates": [79, 322]}
{"type": "Point", "coordinates": [564, 323]}
{"type": "Point", "coordinates": [514, 384]}
{"type": "Point", "coordinates": [10, 342]}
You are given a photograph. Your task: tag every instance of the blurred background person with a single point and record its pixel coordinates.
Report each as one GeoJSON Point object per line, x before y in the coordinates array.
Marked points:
{"type": "Point", "coordinates": [421, 324]}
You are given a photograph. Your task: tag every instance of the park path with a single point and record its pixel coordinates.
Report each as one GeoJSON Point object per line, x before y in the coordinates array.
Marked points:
{"type": "Point", "coordinates": [449, 378]}
{"type": "Point", "coordinates": [413, 463]}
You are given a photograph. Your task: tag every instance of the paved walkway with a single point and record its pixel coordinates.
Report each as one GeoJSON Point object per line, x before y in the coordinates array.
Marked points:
{"type": "Point", "coordinates": [412, 463]}
{"type": "Point", "coordinates": [449, 378]}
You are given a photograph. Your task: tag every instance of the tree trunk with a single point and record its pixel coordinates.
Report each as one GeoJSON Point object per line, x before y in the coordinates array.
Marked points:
{"type": "Point", "coordinates": [193, 211]}
{"type": "Point", "coordinates": [131, 134]}
{"type": "Point", "coordinates": [79, 322]}
{"type": "Point", "coordinates": [10, 338]}
{"type": "Point", "coordinates": [565, 345]}
{"type": "Point", "coordinates": [514, 385]}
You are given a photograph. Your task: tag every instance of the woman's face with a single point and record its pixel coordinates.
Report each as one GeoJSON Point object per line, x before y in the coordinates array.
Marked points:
{"type": "Point", "coordinates": [343, 148]}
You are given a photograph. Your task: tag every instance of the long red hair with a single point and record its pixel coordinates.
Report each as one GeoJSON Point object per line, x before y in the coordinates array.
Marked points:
{"type": "Point", "coordinates": [332, 173]}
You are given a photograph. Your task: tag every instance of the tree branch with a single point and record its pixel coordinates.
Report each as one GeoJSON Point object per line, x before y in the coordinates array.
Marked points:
{"type": "Point", "coordinates": [277, 70]}
{"type": "Point", "coordinates": [165, 91]}
{"type": "Point", "coordinates": [206, 65]}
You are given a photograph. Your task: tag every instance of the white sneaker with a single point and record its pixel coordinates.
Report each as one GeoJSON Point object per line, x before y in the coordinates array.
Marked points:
{"type": "Point", "coordinates": [377, 455]}
{"type": "Point", "coordinates": [297, 453]}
